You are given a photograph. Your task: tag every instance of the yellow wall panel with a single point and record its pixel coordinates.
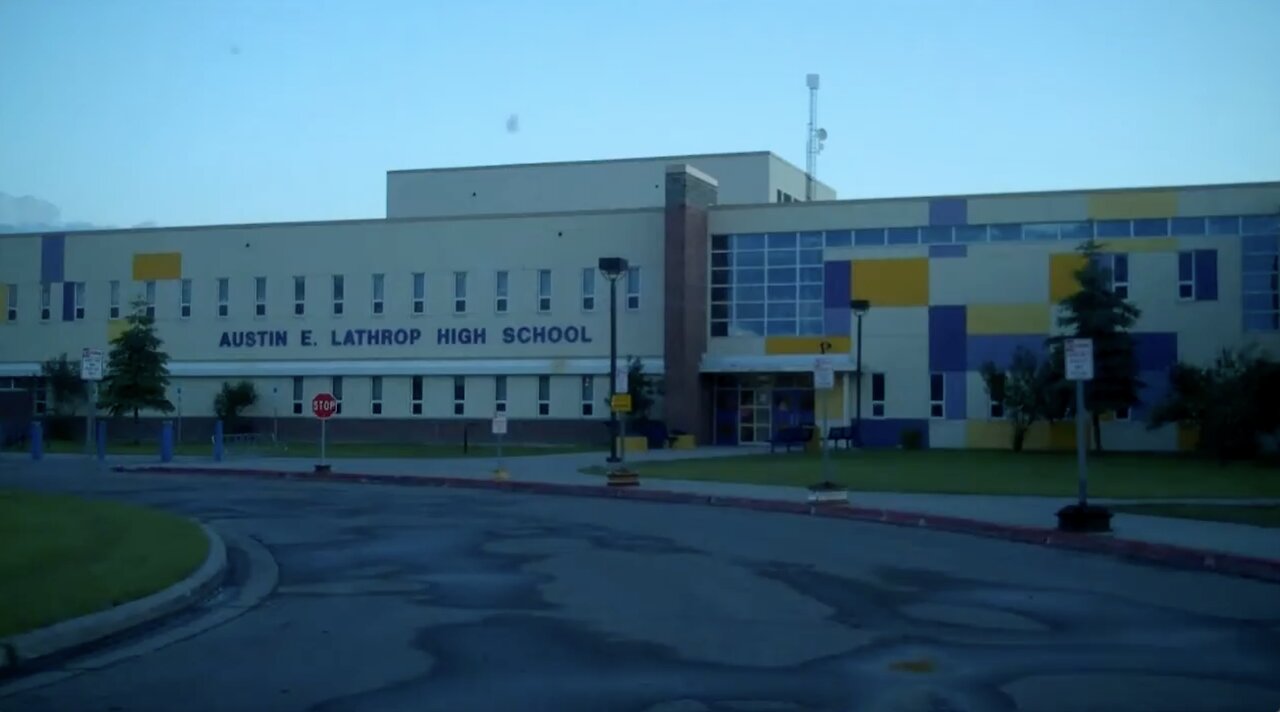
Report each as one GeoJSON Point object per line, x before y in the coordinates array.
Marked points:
{"type": "Point", "coordinates": [784, 345]}
{"type": "Point", "coordinates": [892, 282]}
{"type": "Point", "coordinates": [1007, 318]}
{"type": "Point", "coordinates": [116, 327]}
{"type": "Point", "coordinates": [157, 265]}
{"type": "Point", "coordinates": [989, 434]}
{"type": "Point", "coordinates": [1062, 275]}
{"type": "Point", "coordinates": [1141, 244]}
{"type": "Point", "coordinates": [998, 435]}
{"type": "Point", "coordinates": [832, 400]}
{"type": "Point", "coordinates": [1133, 204]}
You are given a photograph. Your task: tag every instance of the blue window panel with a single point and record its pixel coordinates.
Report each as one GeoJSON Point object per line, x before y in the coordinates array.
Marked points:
{"type": "Point", "coordinates": [780, 327]}
{"type": "Point", "coordinates": [1260, 263]}
{"type": "Point", "coordinates": [719, 312]}
{"type": "Point", "coordinates": [1155, 351]}
{"type": "Point", "coordinates": [813, 275]}
{"type": "Point", "coordinates": [954, 403]}
{"type": "Point", "coordinates": [68, 301]}
{"type": "Point", "coordinates": [782, 240]}
{"type": "Point", "coordinates": [811, 327]}
{"type": "Point", "coordinates": [887, 432]}
{"type": "Point", "coordinates": [1224, 225]}
{"type": "Point", "coordinates": [781, 258]}
{"type": "Point", "coordinates": [1151, 227]}
{"type": "Point", "coordinates": [948, 211]}
{"type": "Point", "coordinates": [947, 338]}
{"type": "Point", "coordinates": [721, 259]}
{"type": "Point", "coordinates": [1041, 231]}
{"type": "Point", "coordinates": [53, 252]}
{"type": "Point", "coordinates": [748, 242]}
{"type": "Point", "coordinates": [1254, 244]}
{"type": "Point", "coordinates": [782, 275]}
{"type": "Point", "coordinates": [1206, 270]}
{"type": "Point", "coordinates": [999, 348]}
{"type": "Point", "coordinates": [837, 322]}
{"type": "Point", "coordinates": [721, 276]}
{"type": "Point", "coordinates": [835, 284]}
{"type": "Point", "coordinates": [749, 294]}
{"type": "Point", "coordinates": [1119, 268]}
{"type": "Point", "coordinates": [971, 233]}
{"type": "Point", "coordinates": [810, 257]}
{"type": "Point", "coordinates": [813, 293]}
{"type": "Point", "coordinates": [748, 327]}
{"type": "Point", "coordinates": [839, 238]}
{"type": "Point", "coordinates": [721, 294]}
{"type": "Point", "coordinates": [1261, 321]}
{"type": "Point", "coordinates": [1076, 230]}
{"type": "Point", "coordinates": [1114, 228]}
{"type": "Point", "coordinates": [1258, 224]}
{"type": "Point", "coordinates": [1186, 266]}
{"type": "Point", "coordinates": [934, 235]}
{"type": "Point", "coordinates": [869, 236]}
{"type": "Point", "coordinates": [810, 240]}
{"type": "Point", "coordinates": [719, 328]}
{"type": "Point", "coordinates": [781, 310]}
{"type": "Point", "coordinates": [948, 250]}
{"type": "Point", "coordinates": [749, 258]}
{"type": "Point", "coordinates": [1261, 282]}
{"type": "Point", "coordinates": [748, 276]}
{"type": "Point", "coordinates": [720, 242]}
{"type": "Point", "coordinates": [1006, 233]}
{"type": "Point", "coordinates": [904, 235]}
{"type": "Point", "coordinates": [753, 310]}
{"type": "Point", "coordinates": [1187, 226]}
{"type": "Point", "coordinates": [780, 293]}
{"type": "Point", "coordinates": [810, 310]}
{"type": "Point", "coordinates": [1261, 301]}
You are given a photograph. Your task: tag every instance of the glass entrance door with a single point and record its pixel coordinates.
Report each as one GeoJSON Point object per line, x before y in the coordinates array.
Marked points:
{"type": "Point", "coordinates": [754, 416]}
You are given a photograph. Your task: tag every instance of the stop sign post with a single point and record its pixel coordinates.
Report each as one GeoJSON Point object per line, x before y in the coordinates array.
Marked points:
{"type": "Point", "coordinates": [323, 406]}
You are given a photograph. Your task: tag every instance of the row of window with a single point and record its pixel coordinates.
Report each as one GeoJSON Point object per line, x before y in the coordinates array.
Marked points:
{"type": "Point", "coordinates": [776, 291]}
{"type": "Point", "coordinates": [1005, 232]}
{"type": "Point", "coordinates": [1260, 275]}
{"type": "Point", "coordinates": [337, 293]}
{"type": "Point", "coordinates": [587, 391]}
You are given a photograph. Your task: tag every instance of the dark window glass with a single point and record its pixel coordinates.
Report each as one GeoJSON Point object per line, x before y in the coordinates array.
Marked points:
{"type": "Point", "coordinates": [877, 386]}
{"type": "Point", "coordinates": [782, 240]}
{"type": "Point", "coordinates": [1187, 226]}
{"type": "Point", "coordinates": [1120, 268]}
{"type": "Point", "coordinates": [1186, 266]}
{"type": "Point", "coordinates": [1006, 233]}
{"type": "Point", "coordinates": [1114, 228]}
{"type": "Point", "coordinates": [748, 242]}
{"type": "Point", "coordinates": [720, 242]}
{"type": "Point", "coordinates": [839, 238]}
{"type": "Point", "coordinates": [1261, 321]}
{"type": "Point", "coordinates": [1259, 224]}
{"type": "Point", "coordinates": [904, 235]}
{"type": "Point", "coordinates": [719, 328]}
{"type": "Point", "coordinates": [749, 258]}
{"type": "Point", "coordinates": [1043, 231]}
{"type": "Point", "coordinates": [1224, 225]}
{"type": "Point", "coordinates": [810, 240]}
{"type": "Point", "coordinates": [417, 388]}
{"type": "Point", "coordinates": [1151, 227]}
{"type": "Point", "coordinates": [1076, 230]}
{"type": "Point", "coordinates": [936, 386]}
{"type": "Point", "coordinates": [869, 236]}
{"type": "Point", "coordinates": [971, 233]}
{"type": "Point", "coordinates": [782, 258]}
{"type": "Point", "coordinates": [750, 310]}
{"type": "Point", "coordinates": [936, 234]}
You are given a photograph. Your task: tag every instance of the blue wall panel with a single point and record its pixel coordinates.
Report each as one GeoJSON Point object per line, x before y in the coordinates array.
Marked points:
{"type": "Point", "coordinates": [836, 291]}
{"type": "Point", "coordinates": [999, 348]}
{"type": "Point", "coordinates": [948, 211]}
{"type": "Point", "coordinates": [946, 338]}
{"type": "Point", "coordinates": [955, 403]}
{"type": "Point", "coordinates": [1155, 387]}
{"type": "Point", "coordinates": [1206, 268]}
{"type": "Point", "coordinates": [52, 258]}
{"type": "Point", "coordinates": [836, 322]}
{"type": "Point", "coordinates": [1156, 351]}
{"type": "Point", "coordinates": [887, 432]}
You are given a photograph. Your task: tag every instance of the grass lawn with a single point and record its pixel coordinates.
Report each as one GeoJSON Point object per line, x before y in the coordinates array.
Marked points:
{"type": "Point", "coordinates": [334, 450]}
{"type": "Point", "coordinates": [984, 472]}
{"type": "Point", "coordinates": [1259, 515]}
{"type": "Point", "coordinates": [64, 557]}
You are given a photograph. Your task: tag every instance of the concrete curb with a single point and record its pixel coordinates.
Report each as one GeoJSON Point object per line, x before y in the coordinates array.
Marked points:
{"type": "Point", "coordinates": [71, 635]}
{"type": "Point", "coordinates": [1147, 552]}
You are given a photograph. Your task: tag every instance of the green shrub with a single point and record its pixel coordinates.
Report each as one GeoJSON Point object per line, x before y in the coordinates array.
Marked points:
{"type": "Point", "coordinates": [912, 439]}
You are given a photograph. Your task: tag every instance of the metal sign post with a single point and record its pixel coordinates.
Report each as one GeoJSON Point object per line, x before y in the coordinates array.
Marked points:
{"type": "Point", "coordinates": [179, 433]}
{"type": "Point", "coordinates": [91, 367]}
{"type": "Point", "coordinates": [824, 379]}
{"type": "Point", "coordinates": [500, 430]}
{"type": "Point", "coordinates": [323, 406]}
{"type": "Point", "coordinates": [1079, 367]}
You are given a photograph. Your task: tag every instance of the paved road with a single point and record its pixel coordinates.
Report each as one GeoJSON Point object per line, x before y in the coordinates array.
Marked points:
{"type": "Point", "coordinates": [422, 599]}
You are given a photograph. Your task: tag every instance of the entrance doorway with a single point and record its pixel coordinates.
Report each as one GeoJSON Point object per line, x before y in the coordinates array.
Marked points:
{"type": "Point", "coordinates": [751, 408]}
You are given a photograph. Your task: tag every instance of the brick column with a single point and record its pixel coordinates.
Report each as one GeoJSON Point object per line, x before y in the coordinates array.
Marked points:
{"type": "Point", "coordinates": [687, 403]}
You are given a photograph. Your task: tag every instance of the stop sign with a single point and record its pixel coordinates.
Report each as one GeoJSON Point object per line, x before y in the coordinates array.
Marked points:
{"type": "Point", "coordinates": [324, 405]}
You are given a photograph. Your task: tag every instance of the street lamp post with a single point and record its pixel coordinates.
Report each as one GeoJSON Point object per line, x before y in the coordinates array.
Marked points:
{"type": "Point", "coordinates": [860, 308]}
{"type": "Point", "coordinates": [613, 268]}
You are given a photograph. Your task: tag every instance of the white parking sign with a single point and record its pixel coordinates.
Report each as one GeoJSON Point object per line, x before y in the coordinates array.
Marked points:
{"type": "Point", "coordinates": [1079, 357]}
{"type": "Point", "coordinates": [91, 363]}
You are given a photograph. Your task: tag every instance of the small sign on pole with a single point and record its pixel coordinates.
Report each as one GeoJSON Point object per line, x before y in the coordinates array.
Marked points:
{"type": "Point", "coordinates": [824, 374]}
{"type": "Point", "coordinates": [621, 402]}
{"type": "Point", "coordinates": [620, 380]}
{"type": "Point", "coordinates": [91, 364]}
{"type": "Point", "coordinates": [499, 425]}
{"type": "Point", "coordinates": [323, 406]}
{"type": "Point", "coordinates": [1079, 358]}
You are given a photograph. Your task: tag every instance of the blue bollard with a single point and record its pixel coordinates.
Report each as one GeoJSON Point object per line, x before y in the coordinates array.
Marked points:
{"type": "Point", "coordinates": [217, 441]}
{"type": "Point", "coordinates": [37, 440]}
{"type": "Point", "coordinates": [166, 441]}
{"type": "Point", "coordinates": [102, 441]}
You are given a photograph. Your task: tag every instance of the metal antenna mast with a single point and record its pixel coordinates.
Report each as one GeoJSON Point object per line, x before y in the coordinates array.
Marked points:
{"type": "Point", "coordinates": [816, 138]}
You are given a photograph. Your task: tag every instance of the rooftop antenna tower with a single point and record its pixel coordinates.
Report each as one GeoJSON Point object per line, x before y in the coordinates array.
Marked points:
{"type": "Point", "coordinates": [816, 138]}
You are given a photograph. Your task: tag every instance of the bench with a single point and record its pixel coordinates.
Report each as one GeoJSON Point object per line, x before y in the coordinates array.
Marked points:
{"type": "Point", "coordinates": [787, 437]}
{"type": "Point", "coordinates": [841, 433]}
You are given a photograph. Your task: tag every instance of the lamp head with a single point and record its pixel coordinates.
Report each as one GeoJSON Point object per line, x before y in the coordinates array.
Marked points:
{"type": "Point", "coordinates": [860, 306]}
{"type": "Point", "coordinates": [613, 267]}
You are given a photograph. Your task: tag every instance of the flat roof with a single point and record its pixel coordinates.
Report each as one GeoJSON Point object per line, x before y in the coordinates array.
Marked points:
{"type": "Point", "coordinates": [635, 159]}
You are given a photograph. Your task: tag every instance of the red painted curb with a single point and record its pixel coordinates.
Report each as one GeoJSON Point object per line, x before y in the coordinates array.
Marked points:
{"type": "Point", "coordinates": [1169, 555]}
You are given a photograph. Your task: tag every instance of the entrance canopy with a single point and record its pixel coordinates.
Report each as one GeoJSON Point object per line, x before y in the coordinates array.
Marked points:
{"type": "Point", "coordinates": [791, 363]}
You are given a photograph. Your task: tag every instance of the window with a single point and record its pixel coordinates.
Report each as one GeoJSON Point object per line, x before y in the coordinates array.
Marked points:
{"type": "Point", "coordinates": [995, 391]}
{"type": "Point", "coordinates": [1261, 282]}
{"type": "Point", "coordinates": [375, 395]}
{"type": "Point", "coordinates": [41, 396]}
{"type": "Point", "coordinates": [588, 289]}
{"type": "Point", "coordinates": [588, 396]}
{"type": "Point", "coordinates": [339, 294]}
{"type": "Point", "coordinates": [224, 296]}
{"type": "Point", "coordinates": [767, 285]}
{"type": "Point", "coordinates": [877, 395]}
{"type": "Point", "coordinates": [297, 395]}
{"type": "Point", "coordinates": [1117, 267]}
{"type": "Point", "coordinates": [184, 299]}
{"type": "Point", "coordinates": [544, 290]}
{"type": "Point", "coordinates": [500, 394]}
{"type": "Point", "coordinates": [336, 392]}
{"type": "Point", "coordinates": [415, 396]}
{"type": "Point", "coordinates": [419, 293]}
{"type": "Point", "coordinates": [379, 293]}
{"type": "Point", "coordinates": [11, 304]}
{"type": "Point", "coordinates": [1114, 228]}
{"type": "Point", "coordinates": [459, 395]}
{"type": "Point", "coordinates": [459, 292]}
{"type": "Point", "coordinates": [77, 294]}
{"type": "Point", "coordinates": [1186, 276]}
{"type": "Point", "coordinates": [113, 299]}
{"type": "Point", "coordinates": [937, 395]}
{"type": "Point", "coordinates": [299, 295]}
{"type": "Point", "coordinates": [633, 288]}
{"type": "Point", "coordinates": [544, 395]}
{"type": "Point", "coordinates": [149, 290]}
{"type": "Point", "coordinates": [46, 302]}
{"type": "Point", "coordinates": [501, 291]}
{"type": "Point", "coordinates": [259, 296]}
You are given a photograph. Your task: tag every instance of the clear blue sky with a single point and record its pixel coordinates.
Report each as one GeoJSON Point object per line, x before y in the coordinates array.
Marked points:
{"type": "Point", "coordinates": [185, 112]}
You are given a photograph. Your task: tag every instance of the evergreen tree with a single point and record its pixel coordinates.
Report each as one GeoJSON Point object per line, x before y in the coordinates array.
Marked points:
{"type": "Point", "coordinates": [137, 375]}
